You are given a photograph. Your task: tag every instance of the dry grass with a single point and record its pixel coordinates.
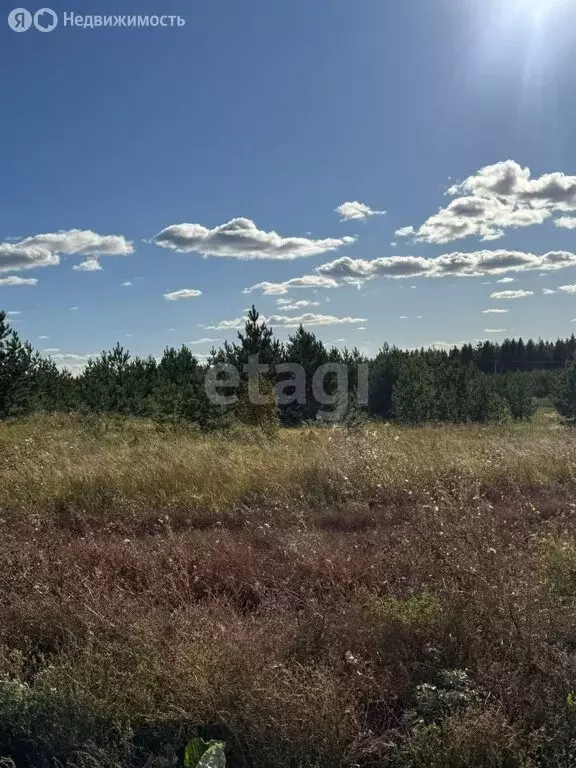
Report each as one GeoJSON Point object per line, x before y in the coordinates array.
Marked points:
{"type": "Point", "coordinates": [291, 595]}
{"type": "Point", "coordinates": [126, 470]}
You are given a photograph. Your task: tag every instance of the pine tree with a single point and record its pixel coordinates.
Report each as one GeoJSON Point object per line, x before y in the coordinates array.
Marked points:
{"type": "Point", "coordinates": [306, 350]}
{"type": "Point", "coordinates": [102, 385]}
{"type": "Point", "coordinates": [566, 398]}
{"type": "Point", "coordinates": [517, 389]}
{"type": "Point", "coordinates": [257, 339]}
{"type": "Point", "coordinates": [16, 368]}
{"type": "Point", "coordinates": [414, 393]}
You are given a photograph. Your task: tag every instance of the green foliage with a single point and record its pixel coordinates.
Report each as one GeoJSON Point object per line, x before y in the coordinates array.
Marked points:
{"type": "Point", "coordinates": [256, 406]}
{"type": "Point", "coordinates": [486, 383]}
{"type": "Point", "coordinates": [205, 754]}
{"type": "Point", "coordinates": [419, 614]}
{"type": "Point", "coordinates": [566, 395]}
{"type": "Point", "coordinates": [413, 398]}
{"type": "Point", "coordinates": [517, 389]}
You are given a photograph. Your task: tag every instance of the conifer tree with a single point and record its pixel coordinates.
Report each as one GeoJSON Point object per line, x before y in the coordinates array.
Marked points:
{"type": "Point", "coordinates": [566, 397]}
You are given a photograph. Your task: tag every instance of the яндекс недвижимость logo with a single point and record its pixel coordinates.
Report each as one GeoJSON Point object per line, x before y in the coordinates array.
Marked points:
{"type": "Point", "coordinates": [20, 20]}
{"type": "Point", "coordinates": [45, 20]}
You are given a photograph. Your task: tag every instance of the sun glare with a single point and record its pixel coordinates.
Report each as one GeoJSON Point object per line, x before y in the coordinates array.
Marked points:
{"type": "Point", "coordinates": [539, 10]}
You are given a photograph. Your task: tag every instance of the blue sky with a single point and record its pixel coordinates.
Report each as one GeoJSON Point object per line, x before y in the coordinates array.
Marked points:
{"type": "Point", "coordinates": [276, 114]}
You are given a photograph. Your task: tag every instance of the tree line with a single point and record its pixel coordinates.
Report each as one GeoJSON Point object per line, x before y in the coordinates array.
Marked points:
{"type": "Point", "coordinates": [482, 383]}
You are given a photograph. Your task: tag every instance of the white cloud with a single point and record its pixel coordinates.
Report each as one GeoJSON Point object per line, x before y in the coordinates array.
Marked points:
{"type": "Point", "coordinates": [280, 289]}
{"type": "Point", "coordinates": [285, 321]}
{"type": "Point", "coordinates": [184, 293]}
{"type": "Point", "coordinates": [548, 292]}
{"type": "Point", "coordinates": [472, 264]}
{"type": "Point", "coordinates": [90, 265]}
{"type": "Point", "coordinates": [70, 361]}
{"type": "Point", "coordinates": [228, 325]}
{"type": "Point", "coordinates": [81, 242]}
{"type": "Point", "coordinates": [567, 222]}
{"type": "Point", "coordinates": [505, 280]}
{"type": "Point", "coordinates": [495, 311]}
{"type": "Point", "coordinates": [43, 337]}
{"type": "Point", "coordinates": [405, 232]}
{"type": "Point", "coordinates": [311, 318]}
{"type": "Point", "coordinates": [15, 257]}
{"type": "Point", "coordinates": [290, 306]}
{"type": "Point", "coordinates": [511, 294]}
{"type": "Point", "coordinates": [356, 210]}
{"type": "Point", "coordinates": [18, 281]}
{"type": "Point", "coordinates": [348, 271]}
{"type": "Point", "coordinates": [14, 313]}
{"type": "Point", "coordinates": [204, 340]}
{"type": "Point", "coordinates": [127, 284]}
{"type": "Point", "coordinates": [568, 288]}
{"type": "Point", "coordinates": [241, 239]}
{"type": "Point", "coordinates": [494, 330]}
{"type": "Point", "coordinates": [74, 309]}
{"type": "Point", "coordinates": [44, 250]}
{"type": "Point", "coordinates": [496, 198]}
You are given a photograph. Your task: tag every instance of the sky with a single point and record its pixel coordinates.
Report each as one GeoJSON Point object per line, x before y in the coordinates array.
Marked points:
{"type": "Point", "coordinates": [378, 170]}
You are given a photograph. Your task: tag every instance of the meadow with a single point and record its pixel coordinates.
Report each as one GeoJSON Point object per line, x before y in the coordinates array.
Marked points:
{"type": "Point", "coordinates": [375, 596]}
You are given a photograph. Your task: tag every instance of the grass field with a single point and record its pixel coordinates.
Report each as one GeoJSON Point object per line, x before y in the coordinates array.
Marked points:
{"type": "Point", "coordinates": [374, 597]}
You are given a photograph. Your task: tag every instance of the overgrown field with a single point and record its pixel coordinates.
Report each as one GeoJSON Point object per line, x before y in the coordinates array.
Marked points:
{"type": "Point", "coordinates": [380, 597]}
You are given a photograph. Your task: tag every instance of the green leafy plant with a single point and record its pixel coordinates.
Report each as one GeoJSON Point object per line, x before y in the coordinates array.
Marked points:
{"type": "Point", "coordinates": [205, 754]}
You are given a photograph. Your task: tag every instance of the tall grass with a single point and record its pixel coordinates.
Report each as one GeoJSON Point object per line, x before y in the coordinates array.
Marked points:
{"type": "Point", "coordinates": [375, 597]}
{"type": "Point", "coordinates": [130, 469]}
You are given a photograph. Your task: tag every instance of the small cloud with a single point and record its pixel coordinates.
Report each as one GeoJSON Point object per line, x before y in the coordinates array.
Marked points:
{"type": "Point", "coordinates": [205, 340]}
{"type": "Point", "coordinates": [184, 293]}
{"type": "Point", "coordinates": [495, 311]}
{"type": "Point", "coordinates": [548, 292]}
{"type": "Point", "coordinates": [511, 294]}
{"type": "Point", "coordinates": [127, 284]}
{"type": "Point", "coordinates": [74, 309]}
{"type": "Point", "coordinates": [18, 280]}
{"type": "Point", "coordinates": [505, 280]}
{"type": "Point", "coordinates": [568, 288]}
{"type": "Point", "coordinates": [14, 312]}
{"type": "Point", "coordinates": [43, 337]}
{"type": "Point", "coordinates": [90, 265]}
{"type": "Point", "coordinates": [355, 210]}
{"type": "Point", "coordinates": [494, 330]}
{"type": "Point", "coordinates": [294, 305]}
{"type": "Point", "coordinates": [567, 222]}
